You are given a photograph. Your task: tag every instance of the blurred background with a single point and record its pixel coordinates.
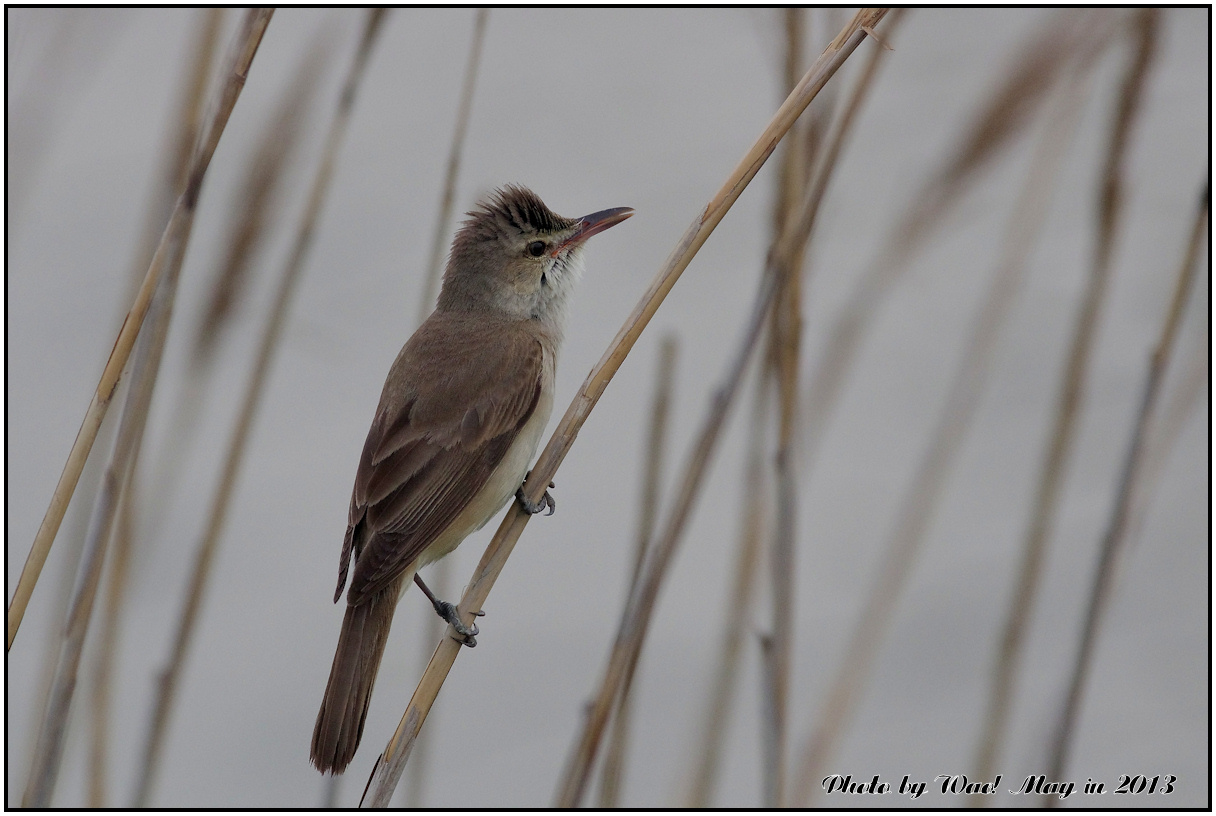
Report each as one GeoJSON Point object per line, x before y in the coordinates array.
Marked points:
{"type": "Point", "coordinates": [593, 109]}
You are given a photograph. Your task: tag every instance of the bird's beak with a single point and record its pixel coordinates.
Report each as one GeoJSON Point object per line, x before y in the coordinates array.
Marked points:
{"type": "Point", "coordinates": [595, 223]}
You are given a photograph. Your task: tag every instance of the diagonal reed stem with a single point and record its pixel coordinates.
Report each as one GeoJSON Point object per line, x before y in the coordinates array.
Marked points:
{"type": "Point", "coordinates": [753, 531]}
{"type": "Point", "coordinates": [785, 342]}
{"type": "Point", "coordinates": [391, 763]}
{"type": "Point", "coordinates": [1112, 541]}
{"type": "Point", "coordinates": [613, 772]}
{"type": "Point", "coordinates": [929, 480]}
{"type": "Point", "coordinates": [253, 28]}
{"type": "Point", "coordinates": [1068, 404]}
{"type": "Point", "coordinates": [432, 627]}
{"type": "Point", "coordinates": [636, 620]}
{"type": "Point", "coordinates": [704, 777]}
{"type": "Point", "coordinates": [1002, 116]}
{"type": "Point", "coordinates": [447, 202]}
{"type": "Point", "coordinates": [148, 351]}
{"type": "Point", "coordinates": [184, 135]}
{"type": "Point", "coordinates": [1186, 395]}
{"type": "Point", "coordinates": [169, 679]}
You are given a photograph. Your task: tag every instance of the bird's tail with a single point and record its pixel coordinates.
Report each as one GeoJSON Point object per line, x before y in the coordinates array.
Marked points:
{"type": "Point", "coordinates": [344, 709]}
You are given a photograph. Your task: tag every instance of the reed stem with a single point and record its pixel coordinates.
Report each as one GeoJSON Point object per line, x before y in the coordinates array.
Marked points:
{"type": "Point", "coordinates": [253, 28]}
{"type": "Point", "coordinates": [1116, 530]}
{"type": "Point", "coordinates": [391, 763]}
{"type": "Point", "coordinates": [205, 556]}
{"type": "Point", "coordinates": [613, 772]}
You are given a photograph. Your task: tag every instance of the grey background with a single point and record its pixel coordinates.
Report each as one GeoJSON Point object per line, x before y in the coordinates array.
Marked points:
{"type": "Point", "coordinates": [593, 109]}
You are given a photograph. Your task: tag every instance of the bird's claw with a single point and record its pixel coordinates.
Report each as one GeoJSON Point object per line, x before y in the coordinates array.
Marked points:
{"type": "Point", "coordinates": [532, 508]}
{"type": "Point", "coordinates": [468, 634]}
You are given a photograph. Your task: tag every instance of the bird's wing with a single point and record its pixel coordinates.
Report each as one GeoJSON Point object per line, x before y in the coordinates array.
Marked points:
{"type": "Point", "coordinates": [436, 438]}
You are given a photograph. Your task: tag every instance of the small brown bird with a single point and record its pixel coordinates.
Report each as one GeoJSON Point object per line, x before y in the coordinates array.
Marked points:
{"type": "Point", "coordinates": [458, 423]}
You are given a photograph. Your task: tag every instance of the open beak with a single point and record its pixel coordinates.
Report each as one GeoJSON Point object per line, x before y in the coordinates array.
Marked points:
{"type": "Point", "coordinates": [595, 223]}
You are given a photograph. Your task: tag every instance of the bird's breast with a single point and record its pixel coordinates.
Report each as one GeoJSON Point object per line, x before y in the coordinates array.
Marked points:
{"type": "Point", "coordinates": [504, 481]}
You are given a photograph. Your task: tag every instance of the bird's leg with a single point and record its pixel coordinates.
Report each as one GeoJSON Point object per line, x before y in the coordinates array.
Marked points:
{"type": "Point", "coordinates": [533, 508]}
{"type": "Point", "coordinates": [448, 612]}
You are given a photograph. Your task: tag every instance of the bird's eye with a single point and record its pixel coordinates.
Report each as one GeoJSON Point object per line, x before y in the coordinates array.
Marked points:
{"type": "Point", "coordinates": [536, 249]}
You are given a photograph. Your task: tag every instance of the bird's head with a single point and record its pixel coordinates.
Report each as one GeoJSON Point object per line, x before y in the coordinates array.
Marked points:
{"type": "Point", "coordinates": [515, 257]}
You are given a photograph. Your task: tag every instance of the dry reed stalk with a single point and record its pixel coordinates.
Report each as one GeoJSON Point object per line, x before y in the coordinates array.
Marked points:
{"type": "Point", "coordinates": [253, 211]}
{"type": "Point", "coordinates": [1070, 397]}
{"type": "Point", "coordinates": [753, 532]}
{"type": "Point", "coordinates": [635, 622]}
{"type": "Point", "coordinates": [717, 711]}
{"type": "Point", "coordinates": [815, 127]}
{"type": "Point", "coordinates": [148, 351]}
{"type": "Point", "coordinates": [188, 120]}
{"type": "Point", "coordinates": [785, 337]}
{"type": "Point", "coordinates": [447, 202]}
{"type": "Point", "coordinates": [107, 648]}
{"type": "Point", "coordinates": [146, 364]}
{"type": "Point", "coordinates": [254, 203]}
{"type": "Point", "coordinates": [1129, 485]}
{"type": "Point", "coordinates": [187, 123]}
{"type": "Point", "coordinates": [1174, 415]}
{"type": "Point", "coordinates": [440, 578]}
{"type": "Point", "coordinates": [996, 716]}
{"type": "Point", "coordinates": [928, 482]}
{"type": "Point", "coordinates": [183, 213]}
{"type": "Point", "coordinates": [72, 549]}
{"type": "Point", "coordinates": [390, 764]}
{"type": "Point", "coordinates": [613, 771]}
{"type": "Point", "coordinates": [1001, 117]}
{"type": "Point", "coordinates": [169, 679]}
{"type": "Point", "coordinates": [643, 595]}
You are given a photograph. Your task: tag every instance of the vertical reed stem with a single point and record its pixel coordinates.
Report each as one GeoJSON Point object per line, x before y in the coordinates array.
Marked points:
{"type": "Point", "coordinates": [1068, 405]}
{"type": "Point", "coordinates": [433, 626]}
{"type": "Point", "coordinates": [254, 27]}
{"type": "Point", "coordinates": [785, 338]}
{"type": "Point", "coordinates": [613, 772]}
{"type": "Point", "coordinates": [148, 351]}
{"type": "Point", "coordinates": [753, 531]}
{"type": "Point", "coordinates": [204, 558]}
{"type": "Point", "coordinates": [391, 763]}
{"type": "Point", "coordinates": [173, 181]}
{"type": "Point", "coordinates": [1112, 541]}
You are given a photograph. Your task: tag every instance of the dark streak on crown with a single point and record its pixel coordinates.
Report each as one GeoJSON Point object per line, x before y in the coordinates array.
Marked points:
{"type": "Point", "coordinates": [522, 209]}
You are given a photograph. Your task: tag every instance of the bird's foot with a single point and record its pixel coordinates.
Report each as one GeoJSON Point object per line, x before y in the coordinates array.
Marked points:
{"type": "Point", "coordinates": [448, 611]}
{"type": "Point", "coordinates": [532, 508]}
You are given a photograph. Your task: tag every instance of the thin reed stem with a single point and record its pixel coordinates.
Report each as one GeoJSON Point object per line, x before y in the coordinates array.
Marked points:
{"type": "Point", "coordinates": [635, 622]}
{"type": "Point", "coordinates": [785, 338]}
{"type": "Point", "coordinates": [753, 532]}
{"type": "Point", "coordinates": [1002, 116]}
{"type": "Point", "coordinates": [1068, 404]}
{"type": "Point", "coordinates": [447, 202]}
{"type": "Point", "coordinates": [1112, 540]}
{"type": "Point", "coordinates": [253, 213]}
{"type": "Point", "coordinates": [174, 234]}
{"type": "Point", "coordinates": [612, 773]}
{"type": "Point", "coordinates": [204, 558]}
{"type": "Point", "coordinates": [172, 182]}
{"type": "Point", "coordinates": [644, 594]}
{"type": "Point", "coordinates": [99, 702]}
{"type": "Point", "coordinates": [1174, 415]}
{"type": "Point", "coordinates": [928, 482]}
{"type": "Point", "coordinates": [391, 763]}
{"type": "Point", "coordinates": [148, 351]}
{"type": "Point", "coordinates": [432, 626]}
{"type": "Point", "coordinates": [704, 777]}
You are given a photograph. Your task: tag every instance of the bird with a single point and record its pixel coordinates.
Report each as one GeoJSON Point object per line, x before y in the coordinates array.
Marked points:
{"type": "Point", "coordinates": [459, 420]}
